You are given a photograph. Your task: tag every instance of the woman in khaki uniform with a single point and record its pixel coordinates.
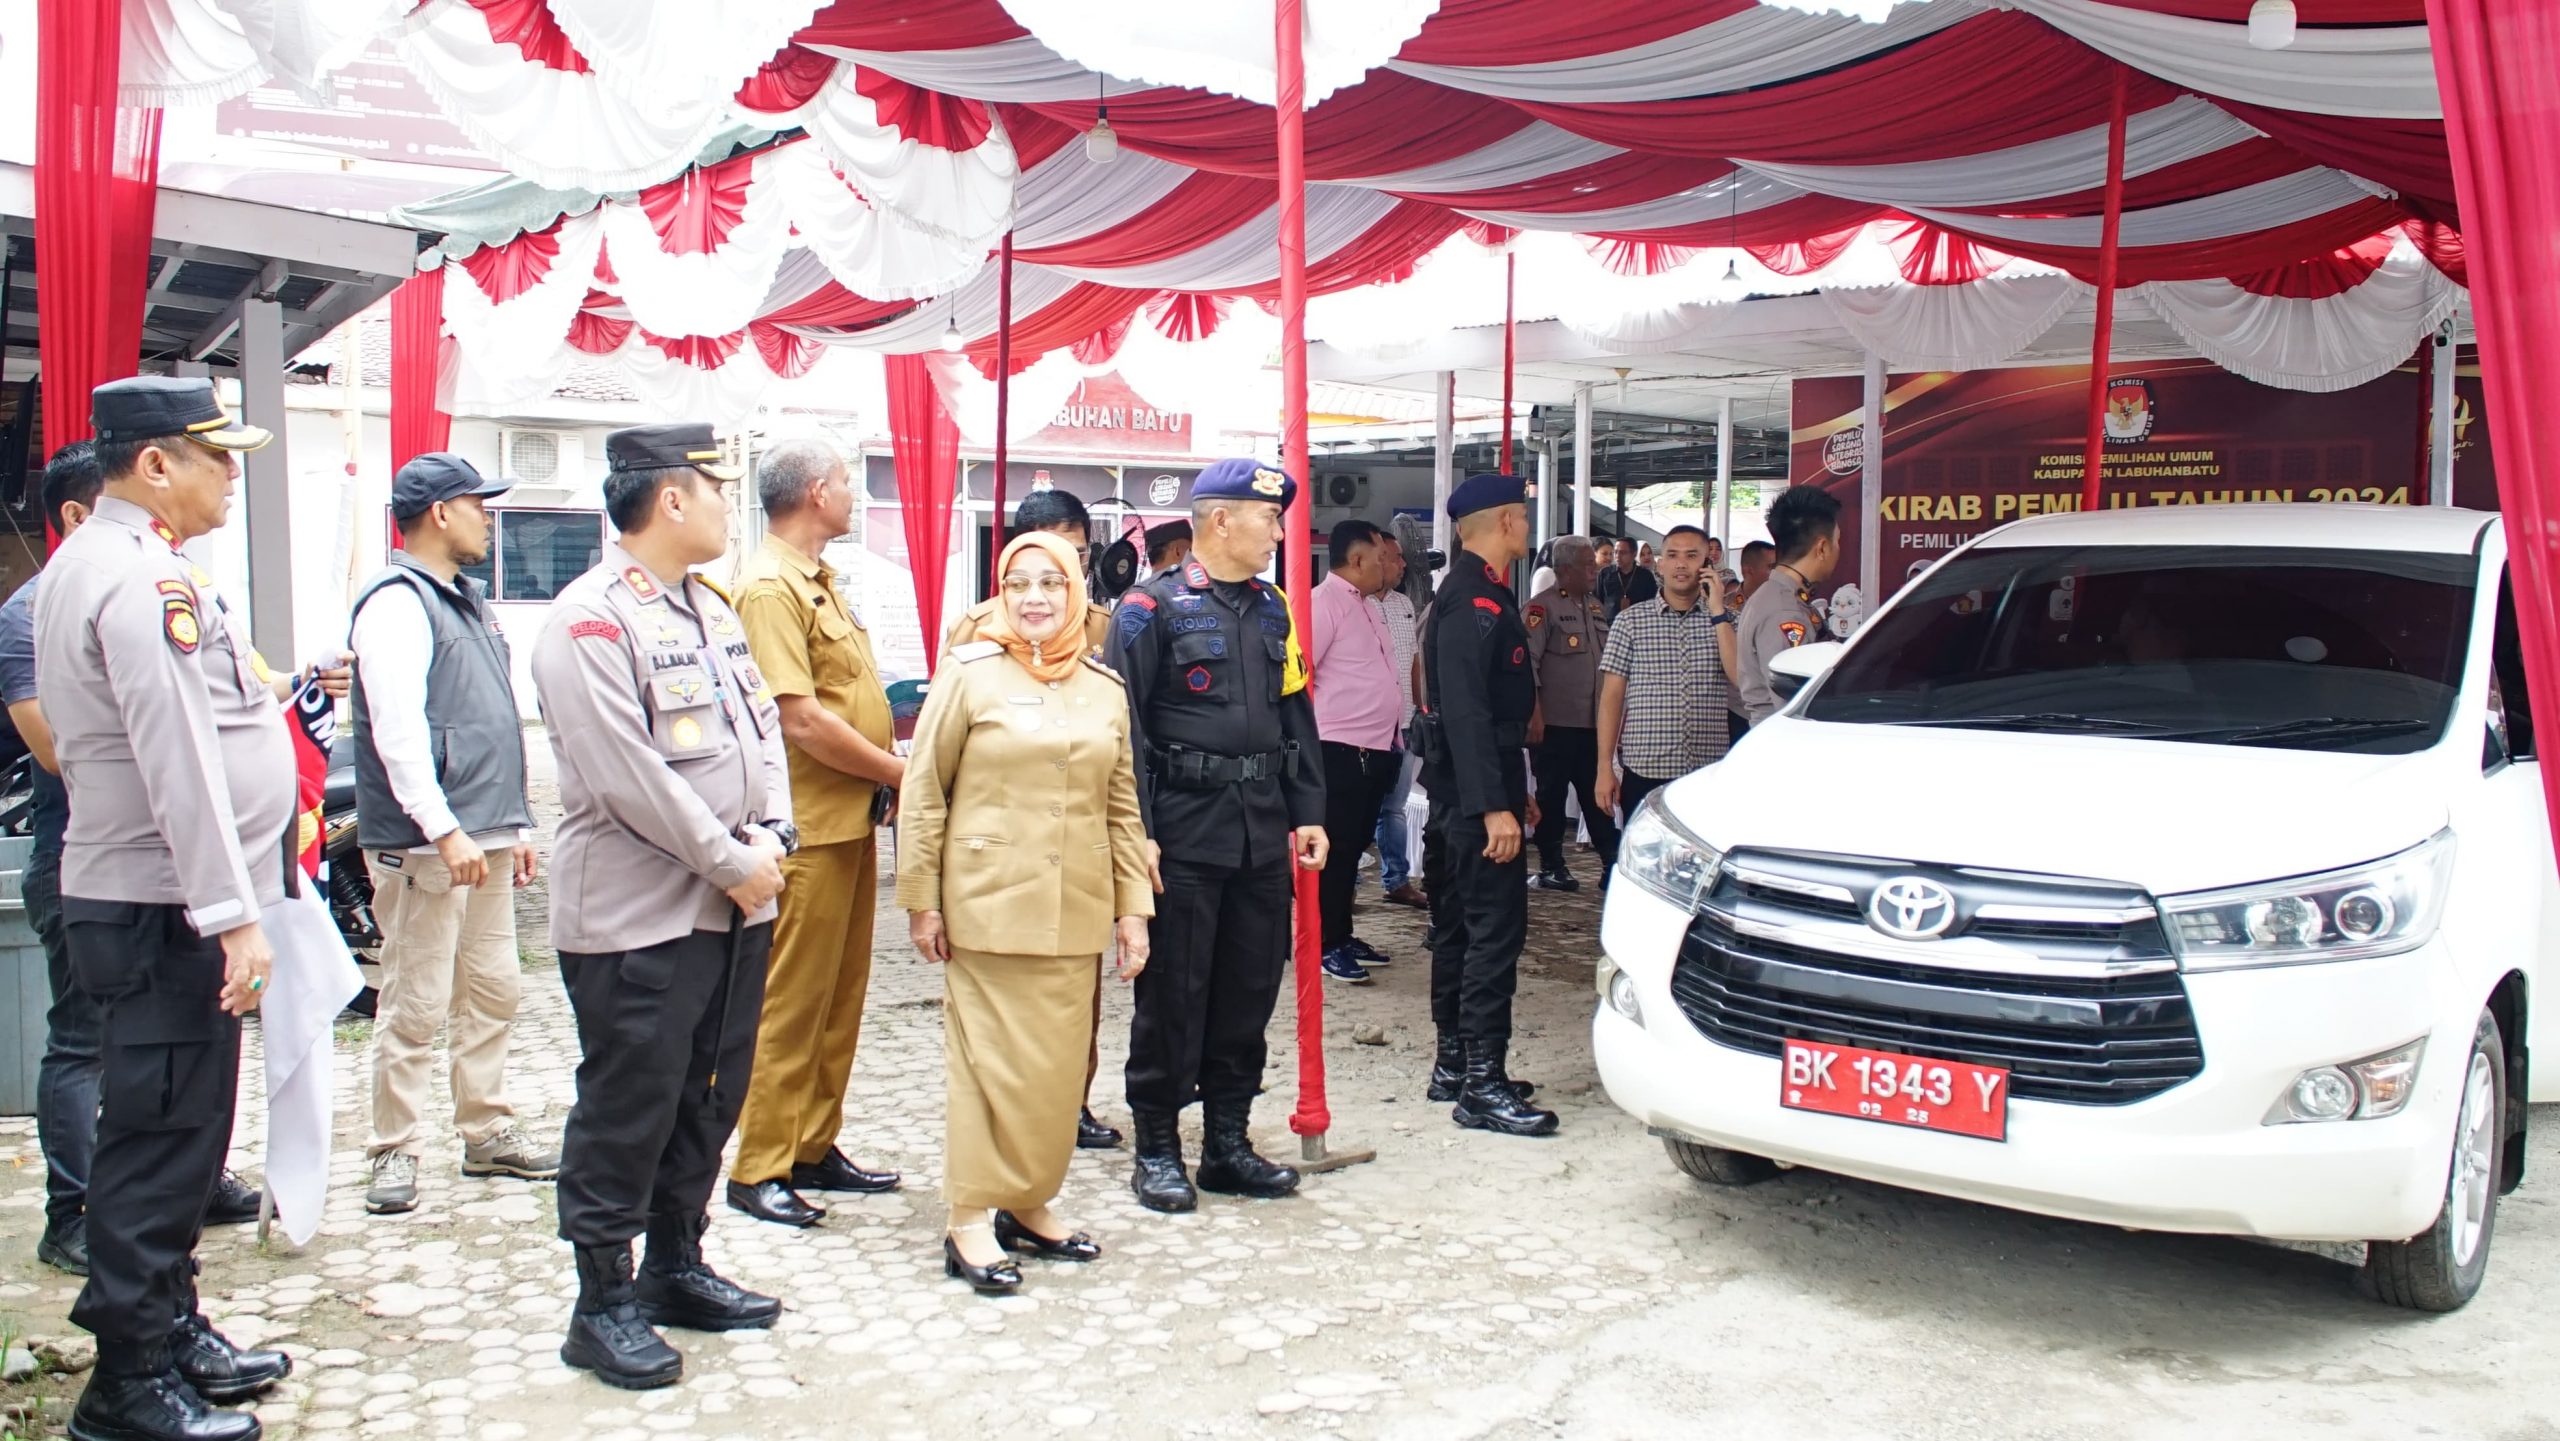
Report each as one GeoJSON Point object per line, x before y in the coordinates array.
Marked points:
{"type": "Point", "coordinates": [1020, 854]}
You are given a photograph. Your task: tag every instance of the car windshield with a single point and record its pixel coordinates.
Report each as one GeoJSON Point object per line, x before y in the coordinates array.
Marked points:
{"type": "Point", "coordinates": [2341, 650]}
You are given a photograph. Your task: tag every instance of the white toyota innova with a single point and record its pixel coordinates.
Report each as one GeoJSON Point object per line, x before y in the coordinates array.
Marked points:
{"type": "Point", "coordinates": [2180, 869]}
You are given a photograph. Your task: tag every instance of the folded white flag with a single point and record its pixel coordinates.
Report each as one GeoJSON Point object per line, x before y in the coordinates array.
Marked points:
{"type": "Point", "coordinates": [314, 978]}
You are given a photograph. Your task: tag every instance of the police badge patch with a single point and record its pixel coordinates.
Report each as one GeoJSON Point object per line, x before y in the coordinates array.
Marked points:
{"type": "Point", "coordinates": [178, 617]}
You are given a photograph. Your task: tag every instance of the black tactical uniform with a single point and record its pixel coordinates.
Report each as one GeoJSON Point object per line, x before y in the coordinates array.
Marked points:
{"type": "Point", "coordinates": [1225, 736]}
{"type": "Point", "coordinates": [1476, 671]}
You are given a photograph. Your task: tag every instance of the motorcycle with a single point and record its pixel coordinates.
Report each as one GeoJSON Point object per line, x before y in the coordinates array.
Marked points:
{"type": "Point", "coordinates": [350, 882]}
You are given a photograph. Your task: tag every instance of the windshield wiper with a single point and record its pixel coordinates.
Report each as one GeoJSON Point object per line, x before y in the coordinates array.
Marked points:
{"type": "Point", "coordinates": [2042, 721]}
{"type": "Point", "coordinates": [2310, 728]}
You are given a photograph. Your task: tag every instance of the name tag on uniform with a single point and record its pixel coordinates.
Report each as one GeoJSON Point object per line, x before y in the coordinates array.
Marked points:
{"type": "Point", "coordinates": [1028, 699]}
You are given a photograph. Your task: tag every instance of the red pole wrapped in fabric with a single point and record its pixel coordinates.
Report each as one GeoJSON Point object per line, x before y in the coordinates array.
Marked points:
{"type": "Point", "coordinates": [418, 424]}
{"type": "Point", "coordinates": [925, 446]}
{"type": "Point", "coordinates": [2102, 343]}
{"type": "Point", "coordinates": [2494, 63]}
{"type": "Point", "coordinates": [1312, 1118]}
{"type": "Point", "coordinates": [97, 178]}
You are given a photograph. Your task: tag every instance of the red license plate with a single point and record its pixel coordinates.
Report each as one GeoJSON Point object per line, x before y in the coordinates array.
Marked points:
{"type": "Point", "coordinates": [1956, 1097]}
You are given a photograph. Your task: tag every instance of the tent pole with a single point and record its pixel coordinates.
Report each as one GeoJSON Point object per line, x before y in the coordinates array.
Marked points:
{"type": "Point", "coordinates": [1444, 456]}
{"type": "Point", "coordinates": [2102, 343]}
{"type": "Point", "coordinates": [1004, 398]}
{"type": "Point", "coordinates": [1510, 344]}
{"type": "Point", "coordinates": [1723, 526]}
{"type": "Point", "coordinates": [2440, 459]}
{"type": "Point", "coordinates": [1582, 459]}
{"type": "Point", "coordinates": [1871, 484]}
{"type": "Point", "coordinates": [1312, 1119]}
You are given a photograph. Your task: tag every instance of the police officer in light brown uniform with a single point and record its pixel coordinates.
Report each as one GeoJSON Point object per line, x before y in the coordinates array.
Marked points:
{"type": "Point", "coordinates": [675, 816]}
{"type": "Point", "coordinates": [1567, 632]}
{"type": "Point", "coordinates": [182, 795]}
{"type": "Point", "coordinates": [1064, 516]}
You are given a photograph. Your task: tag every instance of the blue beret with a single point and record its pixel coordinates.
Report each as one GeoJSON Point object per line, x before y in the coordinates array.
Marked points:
{"type": "Point", "coordinates": [1245, 479]}
{"type": "Point", "coordinates": [1484, 492]}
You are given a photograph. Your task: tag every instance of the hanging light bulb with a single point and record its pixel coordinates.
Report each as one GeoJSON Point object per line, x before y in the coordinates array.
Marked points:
{"type": "Point", "coordinates": [1731, 282]}
{"type": "Point", "coordinates": [1101, 143]}
{"type": "Point", "coordinates": [953, 342]}
{"type": "Point", "coordinates": [2271, 24]}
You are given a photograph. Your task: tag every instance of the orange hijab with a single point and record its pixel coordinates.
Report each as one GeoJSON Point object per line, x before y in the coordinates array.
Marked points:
{"type": "Point", "coordinates": [1056, 658]}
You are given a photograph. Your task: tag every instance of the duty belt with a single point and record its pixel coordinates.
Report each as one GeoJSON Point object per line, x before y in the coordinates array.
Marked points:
{"type": "Point", "coordinates": [1188, 769]}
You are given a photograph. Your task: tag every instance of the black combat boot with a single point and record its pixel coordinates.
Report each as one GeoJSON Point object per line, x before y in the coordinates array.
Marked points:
{"type": "Point", "coordinates": [1156, 1175]}
{"type": "Point", "coordinates": [1449, 1072]}
{"type": "Point", "coordinates": [136, 1394]}
{"type": "Point", "coordinates": [606, 1332]}
{"type": "Point", "coordinates": [1228, 1164]}
{"type": "Point", "coordinates": [1488, 1100]}
{"type": "Point", "coordinates": [221, 1372]}
{"type": "Point", "coordinates": [677, 1288]}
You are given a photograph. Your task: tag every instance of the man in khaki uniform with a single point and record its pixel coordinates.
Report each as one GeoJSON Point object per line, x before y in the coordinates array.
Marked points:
{"type": "Point", "coordinates": [675, 818]}
{"type": "Point", "coordinates": [1804, 525]}
{"type": "Point", "coordinates": [815, 660]}
{"type": "Point", "coordinates": [180, 776]}
{"type": "Point", "coordinates": [1064, 516]}
{"type": "Point", "coordinates": [1567, 632]}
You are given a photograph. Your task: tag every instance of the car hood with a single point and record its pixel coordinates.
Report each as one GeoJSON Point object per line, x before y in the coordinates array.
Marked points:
{"type": "Point", "coordinates": [2165, 816]}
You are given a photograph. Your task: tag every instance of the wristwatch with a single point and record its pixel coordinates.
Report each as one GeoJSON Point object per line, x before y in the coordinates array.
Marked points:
{"type": "Point", "coordinates": [1722, 617]}
{"type": "Point", "coordinates": [784, 833]}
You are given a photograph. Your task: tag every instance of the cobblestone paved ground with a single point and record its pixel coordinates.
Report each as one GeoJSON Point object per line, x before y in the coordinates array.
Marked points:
{"type": "Point", "coordinates": [1461, 1286]}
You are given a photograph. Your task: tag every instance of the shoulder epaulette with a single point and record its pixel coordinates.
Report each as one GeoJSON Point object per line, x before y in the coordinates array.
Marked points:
{"type": "Point", "coordinates": [975, 650]}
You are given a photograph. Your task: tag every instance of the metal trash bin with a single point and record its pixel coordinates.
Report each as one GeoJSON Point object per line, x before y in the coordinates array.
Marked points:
{"type": "Point", "coordinates": [24, 987]}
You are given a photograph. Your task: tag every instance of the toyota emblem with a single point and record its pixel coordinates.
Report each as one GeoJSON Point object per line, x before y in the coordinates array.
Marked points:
{"type": "Point", "coordinates": [1910, 908]}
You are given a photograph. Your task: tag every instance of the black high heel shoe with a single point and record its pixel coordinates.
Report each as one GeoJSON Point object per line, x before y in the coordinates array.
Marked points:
{"type": "Point", "coordinates": [1015, 1236]}
{"type": "Point", "coordinates": [1001, 1279]}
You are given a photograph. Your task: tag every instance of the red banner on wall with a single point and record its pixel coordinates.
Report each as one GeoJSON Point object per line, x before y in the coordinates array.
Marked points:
{"type": "Point", "coordinates": [1966, 451]}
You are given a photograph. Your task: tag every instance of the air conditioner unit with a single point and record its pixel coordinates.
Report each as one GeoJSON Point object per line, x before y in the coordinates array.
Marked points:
{"type": "Point", "coordinates": [1342, 492]}
{"type": "Point", "coordinates": [539, 458]}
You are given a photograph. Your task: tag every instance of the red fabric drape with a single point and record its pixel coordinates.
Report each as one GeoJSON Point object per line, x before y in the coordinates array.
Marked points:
{"type": "Point", "coordinates": [2321, 276]}
{"type": "Point", "coordinates": [1804, 257]}
{"type": "Point", "coordinates": [504, 272]}
{"type": "Point", "coordinates": [694, 213]}
{"type": "Point", "coordinates": [1183, 316]}
{"type": "Point", "coordinates": [1387, 122]}
{"type": "Point", "coordinates": [1505, 32]}
{"type": "Point", "coordinates": [528, 26]}
{"type": "Point", "coordinates": [418, 425]}
{"type": "Point", "coordinates": [2442, 245]}
{"type": "Point", "coordinates": [785, 354]}
{"type": "Point", "coordinates": [791, 79]}
{"type": "Point", "coordinates": [2494, 63]}
{"type": "Point", "coordinates": [97, 178]}
{"type": "Point", "coordinates": [910, 25]}
{"type": "Point", "coordinates": [1637, 257]}
{"type": "Point", "coordinates": [1196, 211]}
{"type": "Point", "coordinates": [1927, 255]}
{"type": "Point", "coordinates": [927, 117]}
{"type": "Point", "coordinates": [925, 446]}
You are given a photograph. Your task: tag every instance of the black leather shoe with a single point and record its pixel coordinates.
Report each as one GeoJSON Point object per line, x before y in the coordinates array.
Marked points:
{"type": "Point", "coordinates": [1228, 1163]}
{"type": "Point", "coordinates": [835, 1173]}
{"type": "Point", "coordinates": [235, 1202]}
{"type": "Point", "coordinates": [1449, 1073]}
{"type": "Point", "coordinates": [607, 1334]}
{"type": "Point", "coordinates": [773, 1201]}
{"type": "Point", "coordinates": [1015, 1236]}
{"type": "Point", "coordinates": [1489, 1103]}
{"type": "Point", "coordinates": [1092, 1135]}
{"type": "Point", "coordinates": [221, 1372]}
{"type": "Point", "coordinates": [157, 1406]}
{"type": "Point", "coordinates": [677, 1288]}
{"type": "Point", "coordinates": [1156, 1174]}
{"type": "Point", "coordinates": [1001, 1279]}
{"type": "Point", "coordinates": [65, 1247]}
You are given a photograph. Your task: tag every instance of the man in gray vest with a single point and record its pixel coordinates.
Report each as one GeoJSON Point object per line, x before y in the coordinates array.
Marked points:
{"type": "Point", "coordinates": [442, 817]}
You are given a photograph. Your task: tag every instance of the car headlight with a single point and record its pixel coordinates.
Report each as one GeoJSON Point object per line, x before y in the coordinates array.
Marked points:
{"type": "Point", "coordinates": [1665, 857]}
{"type": "Point", "coordinates": [2381, 908]}
{"type": "Point", "coordinates": [2365, 1090]}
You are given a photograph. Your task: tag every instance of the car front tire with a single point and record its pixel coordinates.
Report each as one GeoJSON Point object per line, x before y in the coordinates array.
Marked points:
{"type": "Point", "coordinates": [1717, 1166]}
{"type": "Point", "coordinates": [2441, 1268]}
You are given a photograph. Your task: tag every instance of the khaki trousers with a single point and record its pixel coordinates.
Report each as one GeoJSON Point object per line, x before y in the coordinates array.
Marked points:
{"type": "Point", "coordinates": [1014, 1029]}
{"type": "Point", "coordinates": [448, 960]}
{"type": "Point", "coordinates": [812, 1020]}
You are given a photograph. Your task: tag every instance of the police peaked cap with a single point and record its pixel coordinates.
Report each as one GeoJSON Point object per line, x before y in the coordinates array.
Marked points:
{"type": "Point", "coordinates": [659, 447]}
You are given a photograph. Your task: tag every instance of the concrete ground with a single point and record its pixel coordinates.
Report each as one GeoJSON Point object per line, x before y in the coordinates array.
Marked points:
{"type": "Point", "coordinates": [1460, 1286]}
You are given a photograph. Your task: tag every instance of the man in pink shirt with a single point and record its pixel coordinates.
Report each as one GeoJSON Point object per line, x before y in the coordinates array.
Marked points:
{"type": "Point", "coordinates": [1359, 713]}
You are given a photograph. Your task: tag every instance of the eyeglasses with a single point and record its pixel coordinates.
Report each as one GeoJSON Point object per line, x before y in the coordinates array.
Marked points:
{"type": "Point", "coordinates": [1052, 585]}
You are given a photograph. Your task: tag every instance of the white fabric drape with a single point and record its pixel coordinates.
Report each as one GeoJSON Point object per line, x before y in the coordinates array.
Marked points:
{"type": "Point", "coordinates": [679, 51]}
{"type": "Point", "coordinates": [1529, 153]}
{"type": "Point", "coordinates": [2382, 71]}
{"type": "Point", "coordinates": [1224, 48]}
{"type": "Point", "coordinates": [1036, 394]}
{"type": "Point", "coordinates": [870, 252]}
{"type": "Point", "coordinates": [203, 52]}
{"type": "Point", "coordinates": [1760, 46]}
{"type": "Point", "coordinates": [962, 196]}
{"type": "Point", "coordinates": [556, 129]}
{"type": "Point", "coordinates": [1020, 71]}
{"type": "Point", "coordinates": [526, 332]}
{"type": "Point", "coordinates": [1068, 197]}
{"type": "Point", "coordinates": [2184, 129]}
{"type": "Point", "coordinates": [1249, 254]}
{"type": "Point", "coordinates": [2330, 344]}
{"type": "Point", "coordinates": [1738, 193]}
{"type": "Point", "coordinates": [1955, 327]}
{"type": "Point", "coordinates": [2285, 200]}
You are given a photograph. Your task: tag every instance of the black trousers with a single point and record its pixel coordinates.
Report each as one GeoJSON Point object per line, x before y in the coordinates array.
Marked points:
{"type": "Point", "coordinates": [67, 1078]}
{"type": "Point", "coordinates": [1220, 945]}
{"type": "Point", "coordinates": [655, 1025]}
{"type": "Point", "coordinates": [1570, 757]}
{"type": "Point", "coordinates": [1355, 782]}
{"type": "Point", "coordinates": [170, 1077]}
{"type": "Point", "coordinates": [1633, 788]}
{"type": "Point", "coordinates": [1479, 920]}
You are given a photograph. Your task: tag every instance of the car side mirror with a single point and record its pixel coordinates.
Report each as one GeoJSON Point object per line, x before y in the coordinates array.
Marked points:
{"type": "Point", "coordinates": [1792, 670]}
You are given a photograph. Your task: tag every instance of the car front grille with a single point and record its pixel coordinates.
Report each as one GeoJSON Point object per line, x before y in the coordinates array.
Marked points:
{"type": "Point", "coordinates": [2067, 985]}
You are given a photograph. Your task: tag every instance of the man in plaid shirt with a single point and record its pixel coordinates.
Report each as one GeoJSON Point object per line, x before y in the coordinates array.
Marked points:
{"type": "Point", "coordinates": [1666, 678]}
